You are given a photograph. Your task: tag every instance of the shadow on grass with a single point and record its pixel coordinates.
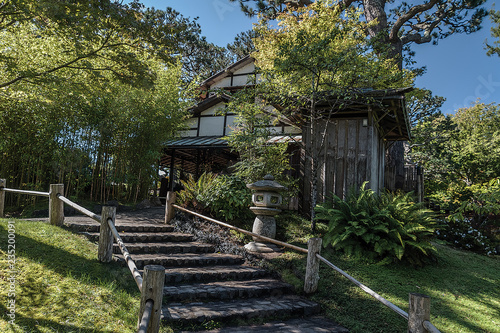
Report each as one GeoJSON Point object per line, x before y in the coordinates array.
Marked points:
{"type": "Point", "coordinates": [460, 286]}
{"type": "Point", "coordinates": [66, 263]}
{"type": "Point", "coordinates": [38, 291]}
{"type": "Point", "coordinates": [30, 325]}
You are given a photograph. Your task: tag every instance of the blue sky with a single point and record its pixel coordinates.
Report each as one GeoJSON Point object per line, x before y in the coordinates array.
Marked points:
{"type": "Point", "coordinates": [457, 68]}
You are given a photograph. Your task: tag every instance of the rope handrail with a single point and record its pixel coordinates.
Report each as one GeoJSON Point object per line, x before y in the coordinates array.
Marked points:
{"type": "Point", "coordinates": [243, 231]}
{"type": "Point", "coordinates": [429, 327]}
{"type": "Point", "coordinates": [37, 193]}
{"type": "Point", "coordinates": [79, 208]}
{"type": "Point", "coordinates": [126, 255]}
{"type": "Point", "coordinates": [365, 288]}
{"type": "Point", "coordinates": [146, 316]}
{"type": "Point", "coordinates": [267, 239]}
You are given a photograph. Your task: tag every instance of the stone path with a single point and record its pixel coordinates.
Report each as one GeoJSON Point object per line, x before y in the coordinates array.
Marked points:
{"type": "Point", "coordinates": [202, 286]}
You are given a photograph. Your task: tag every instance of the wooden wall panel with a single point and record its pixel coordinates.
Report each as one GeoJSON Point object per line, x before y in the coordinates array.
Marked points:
{"type": "Point", "coordinates": [351, 154]}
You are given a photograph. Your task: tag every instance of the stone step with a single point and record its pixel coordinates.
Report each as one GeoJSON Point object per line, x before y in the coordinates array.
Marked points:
{"type": "Point", "coordinates": [132, 237]}
{"type": "Point", "coordinates": [93, 226]}
{"type": "Point", "coordinates": [192, 313]}
{"type": "Point", "coordinates": [314, 324]}
{"type": "Point", "coordinates": [183, 259]}
{"type": "Point", "coordinates": [171, 247]}
{"type": "Point", "coordinates": [224, 290]}
{"type": "Point", "coordinates": [213, 273]}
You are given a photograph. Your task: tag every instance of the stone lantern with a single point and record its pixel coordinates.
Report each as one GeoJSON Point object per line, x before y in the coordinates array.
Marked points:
{"type": "Point", "coordinates": [267, 201]}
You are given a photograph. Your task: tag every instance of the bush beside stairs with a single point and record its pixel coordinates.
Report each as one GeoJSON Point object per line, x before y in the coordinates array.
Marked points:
{"type": "Point", "coordinates": [204, 289]}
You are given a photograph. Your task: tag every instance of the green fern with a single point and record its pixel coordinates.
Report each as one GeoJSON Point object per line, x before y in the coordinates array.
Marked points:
{"type": "Point", "coordinates": [383, 227]}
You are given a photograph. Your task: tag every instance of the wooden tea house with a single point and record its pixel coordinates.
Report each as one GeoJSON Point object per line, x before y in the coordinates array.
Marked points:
{"type": "Point", "coordinates": [350, 143]}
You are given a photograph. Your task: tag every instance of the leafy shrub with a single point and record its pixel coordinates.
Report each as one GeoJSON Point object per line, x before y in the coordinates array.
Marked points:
{"type": "Point", "coordinates": [229, 198]}
{"type": "Point", "coordinates": [379, 227]}
{"type": "Point", "coordinates": [225, 197]}
{"type": "Point", "coordinates": [459, 232]}
{"type": "Point", "coordinates": [475, 222]}
{"type": "Point", "coordinates": [194, 192]}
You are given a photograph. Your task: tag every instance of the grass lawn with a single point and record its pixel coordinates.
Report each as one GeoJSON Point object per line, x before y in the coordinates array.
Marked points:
{"type": "Point", "coordinates": [464, 288]}
{"type": "Point", "coordinates": [60, 286]}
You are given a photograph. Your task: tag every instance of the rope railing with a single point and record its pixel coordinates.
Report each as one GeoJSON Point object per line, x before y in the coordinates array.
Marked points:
{"type": "Point", "coordinates": [36, 193]}
{"type": "Point", "coordinates": [365, 288]}
{"type": "Point", "coordinates": [243, 231]}
{"type": "Point", "coordinates": [146, 316]}
{"type": "Point", "coordinates": [429, 327]}
{"type": "Point", "coordinates": [79, 208]}
{"type": "Point", "coordinates": [415, 319]}
{"type": "Point", "coordinates": [126, 255]}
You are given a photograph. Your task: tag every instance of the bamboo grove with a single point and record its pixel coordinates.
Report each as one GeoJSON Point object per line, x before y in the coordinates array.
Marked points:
{"type": "Point", "coordinates": [88, 106]}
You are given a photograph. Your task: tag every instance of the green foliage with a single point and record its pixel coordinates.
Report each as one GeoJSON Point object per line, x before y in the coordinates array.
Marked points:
{"type": "Point", "coordinates": [225, 197]}
{"type": "Point", "coordinates": [90, 95]}
{"type": "Point", "coordinates": [229, 198]}
{"type": "Point", "coordinates": [40, 38]}
{"type": "Point", "coordinates": [421, 105]}
{"type": "Point", "coordinates": [195, 192]}
{"type": "Point", "coordinates": [495, 32]}
{"type": "Point", "coordinates": [459, 232]}
{"type": "Point", "coordinates": [379, 227]}
{"type": "Point", "coordinates": [475, 220]}
{"type": "Point", "coordinates": [250, 137]}
{"type": "Point", "coordinates": [317, 49]}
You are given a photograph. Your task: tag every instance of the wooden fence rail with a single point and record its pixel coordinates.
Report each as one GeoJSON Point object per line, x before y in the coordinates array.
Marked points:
{"type": "Point", "coordinates": [417, 323]}
{"type": "Point", "coordinates": [151, 286]}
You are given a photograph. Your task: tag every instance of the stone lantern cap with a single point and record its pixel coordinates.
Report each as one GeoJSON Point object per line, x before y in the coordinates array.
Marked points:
{"type": "Point", "coordinates": [268, 184]}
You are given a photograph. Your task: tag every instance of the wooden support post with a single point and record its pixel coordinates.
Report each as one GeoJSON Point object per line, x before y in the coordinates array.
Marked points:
{"type": "Point", "coordinates": [152, 289]}
{"type": "Point", "coordinates": [169, 209]}
{"type": "Point", "coordinates": [419, 311]}
{"type": "Point", "coordinates": [105, 247]}
{"type": "Point", "coordinates": [56, 206]}
{"type": "Point", "coordinates": [2, 197]}
{"type": "Point", "coordinates": [312, 269]}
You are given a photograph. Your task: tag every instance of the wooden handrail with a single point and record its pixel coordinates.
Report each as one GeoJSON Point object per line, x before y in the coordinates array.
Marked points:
{"type": "Point", "coordinates": [130, 262]}
{"type": "Point", "coordinates": [243, 231]}
{"type": "Point", "coordinates": [428, 325]}
{"type": "Point", "coordinates": [37, 193]}
{"type": "Point", "coordinates": [365, 288]}
{"type": "Point", "coordinates": [79, 208]}
{"type": "Point", "coordinates": [146, 316]}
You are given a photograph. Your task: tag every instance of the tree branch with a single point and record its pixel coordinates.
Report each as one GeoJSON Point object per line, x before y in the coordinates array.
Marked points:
{"type": "Point", "coordinates": [408, 16]}
{"type": "Point", "coordinates": [64, 65]}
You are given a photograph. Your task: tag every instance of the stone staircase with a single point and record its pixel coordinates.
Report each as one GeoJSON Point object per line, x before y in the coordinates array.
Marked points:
{"type": "Point", "coordinates": [203, 287]}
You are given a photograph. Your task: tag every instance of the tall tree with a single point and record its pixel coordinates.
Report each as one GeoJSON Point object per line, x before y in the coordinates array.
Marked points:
{"type": "Point", "coordinates": [463, 147]}
{"type": "Point", "coordinates": [400, 25]}
{"type": "Point", "coordinates": [243, 44]}
{"type": "Point", "coordinates": [422, 104]}
{"type": "Point", "coordinates": [66, 34]}
{"type": "Point", "coordinates": [395, 28]}
{"type": "Point", "coordinates": [317, 55]}
{"type": "Point", "coordinates": [495, 32]}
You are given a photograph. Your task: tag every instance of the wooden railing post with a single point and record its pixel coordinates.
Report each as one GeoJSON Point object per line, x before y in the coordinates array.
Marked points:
{"type": "Point", "coordinates": [2, 197]}
{"type": "Point", "coordinates": [152, 289]}
{"type": "Point", "coordinates": [419, 311]}
{"type": "Point", "coordinates": [169, 209]}
{"type": "Point", "coordinates": [312, 268]}
{"type": "Point", "coordinates": [105, 247]}
{"type": "Point", "coordinates": [56, 206]}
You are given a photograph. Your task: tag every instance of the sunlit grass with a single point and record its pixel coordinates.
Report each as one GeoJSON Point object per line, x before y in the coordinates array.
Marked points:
{"type": "Point", "coordinates": [61, 286]}
{"type": "Point", "coordinates": [464, 288]}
